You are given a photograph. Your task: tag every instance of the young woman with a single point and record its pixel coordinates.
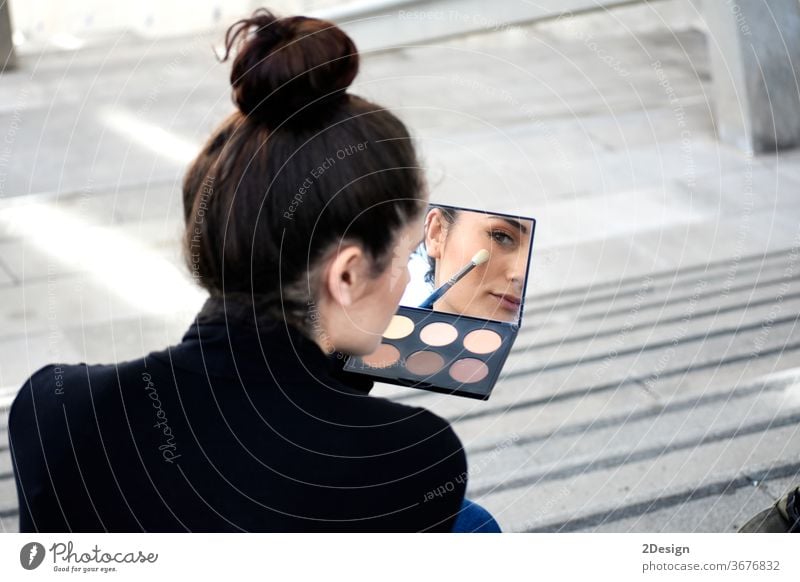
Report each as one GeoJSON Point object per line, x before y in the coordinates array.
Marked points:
{"type": "Point", "coordinates": [492, 290]}
{"type": "Point", "coordinates": [297, 209]}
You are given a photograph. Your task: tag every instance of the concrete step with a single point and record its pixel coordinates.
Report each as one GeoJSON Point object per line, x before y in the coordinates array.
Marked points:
{"type": "Point", "coordinates": [578, 498]}
{"type": "Point", "coordinates": [638, 439]}
{"type": "Point", "coordinates": [716, 318]}
{"type": "Point", "coordinates": [671, 247]}
{"type": "Point", "coordinates": [647, 301]}
{"type": "Point", "coordinates": [723, 513]}
{"type": "Point", "coordinates": [8, 501]}
{"type": "Point", "coordinates": [660, 282]}
{"type": "Point", "coordinates": [763, 310]}
{"type": "Point", "coordinates": [9, 522]}
{"type": "Point", "coordinates": [633, 512]}
{"type": "Point", "coordinates": [581, 418]}
{"type": "Point", "coordinates": [6, 465]}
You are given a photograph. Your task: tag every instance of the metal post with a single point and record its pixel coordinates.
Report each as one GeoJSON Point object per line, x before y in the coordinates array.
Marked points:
{"type": "Point", "coordinates": [8, 59]}
{"type": "Point", "coordinates": [755, 70]}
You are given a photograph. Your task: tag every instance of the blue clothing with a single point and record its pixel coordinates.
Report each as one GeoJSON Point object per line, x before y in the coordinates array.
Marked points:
{"type": "Point", "coordinates": [473, 518]}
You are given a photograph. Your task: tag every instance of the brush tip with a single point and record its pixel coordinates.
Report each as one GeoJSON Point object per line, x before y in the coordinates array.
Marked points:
{"type": "Point", "coordinates": [481, 257]}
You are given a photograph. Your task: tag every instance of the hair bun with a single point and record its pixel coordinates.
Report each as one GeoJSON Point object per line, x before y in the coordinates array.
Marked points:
{"type": "Point", "coordinates": [288, 65]}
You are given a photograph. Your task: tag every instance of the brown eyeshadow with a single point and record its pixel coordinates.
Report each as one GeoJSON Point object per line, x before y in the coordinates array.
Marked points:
{"type": "Point", "coordinates": [468, 370]}
{"type": "Point", "coordinates": [482, 341]}
{"type": "Point", "coordinates": [424, 363]}
{"type": "Point", "coordinates": [383, 357]}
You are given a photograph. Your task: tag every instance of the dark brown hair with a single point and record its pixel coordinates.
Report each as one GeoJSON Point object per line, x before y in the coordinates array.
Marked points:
{"type": "Point", "coordinates": [300, 167]}
{"type": "Point", "coordinates": [448, 215]}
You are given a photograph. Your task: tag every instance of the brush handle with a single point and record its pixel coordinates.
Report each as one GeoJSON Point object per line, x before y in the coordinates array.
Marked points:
{"type": "Point", "coordinates": [437, 294]}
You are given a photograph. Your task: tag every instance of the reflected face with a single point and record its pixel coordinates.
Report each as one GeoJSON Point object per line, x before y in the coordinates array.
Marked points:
{"type": "Point", "coordinates": [492, 290]}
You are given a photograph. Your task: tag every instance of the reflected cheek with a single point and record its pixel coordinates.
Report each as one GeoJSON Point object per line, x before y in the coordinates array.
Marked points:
{"type": "Point", "coordinates": [482, 275]}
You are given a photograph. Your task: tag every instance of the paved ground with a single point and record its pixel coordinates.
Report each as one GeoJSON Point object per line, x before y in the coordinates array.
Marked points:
{"type": "Point", "coordinates": [652, 385]}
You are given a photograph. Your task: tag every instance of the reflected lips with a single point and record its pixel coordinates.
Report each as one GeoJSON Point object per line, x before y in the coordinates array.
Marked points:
{"type": "Point", "coordinates": [509, 302]}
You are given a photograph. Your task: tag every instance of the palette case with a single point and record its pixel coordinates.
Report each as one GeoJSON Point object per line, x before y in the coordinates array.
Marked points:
{"type": "Point", "coordinates": [441, 381]}
{"type": "Point", "coordinates": [454, 352]}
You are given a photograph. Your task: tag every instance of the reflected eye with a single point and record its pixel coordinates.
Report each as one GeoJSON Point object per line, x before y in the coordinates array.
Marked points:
{"type": "Point", "coordinates": [502, 238]}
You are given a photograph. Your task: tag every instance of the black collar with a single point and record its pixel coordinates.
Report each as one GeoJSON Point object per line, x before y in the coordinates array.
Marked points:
{"type": "Point", "coordinates": [237, 310]}
{"type": "Point", "coordinates": [228, 338]}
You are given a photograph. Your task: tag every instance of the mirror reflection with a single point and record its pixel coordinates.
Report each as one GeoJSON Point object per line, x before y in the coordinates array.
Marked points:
{"type": "Point", "coordinates": [471, 263]}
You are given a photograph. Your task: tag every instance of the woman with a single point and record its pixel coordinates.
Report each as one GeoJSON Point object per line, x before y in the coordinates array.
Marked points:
{"type": "Point", "coordinates": [296, 209]}
{"type": "Point", "coordinates": [492, 290]}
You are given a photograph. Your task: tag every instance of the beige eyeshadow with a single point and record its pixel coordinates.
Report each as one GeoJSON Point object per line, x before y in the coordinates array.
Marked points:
{"type": "Point", "coordinates": [468, 370]}
{"type": "Point", "coordinates": [424, 363]}
{"type": "Point", "coordinates": [399, 327]}
{"type": "Point", "coordinates": [482, 341]}
{"type": "Point", "coordinates": [383, 357]}
{"type": "Point", "coordinates": [438, 334]}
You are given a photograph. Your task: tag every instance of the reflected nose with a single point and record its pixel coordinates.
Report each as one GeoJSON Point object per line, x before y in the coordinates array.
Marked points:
{"type": "Point", "coordinates": [515, 277]}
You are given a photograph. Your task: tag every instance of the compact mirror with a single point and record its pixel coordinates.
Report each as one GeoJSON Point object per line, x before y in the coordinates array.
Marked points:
{"type": "Point", "coordinates": [461, 311]}
{"type": "Point", "coordinates": [444, 273]}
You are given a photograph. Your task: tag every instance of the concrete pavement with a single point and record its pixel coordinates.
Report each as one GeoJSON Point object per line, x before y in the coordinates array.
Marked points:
{"type": "Point", "coordinates": [652, 386]}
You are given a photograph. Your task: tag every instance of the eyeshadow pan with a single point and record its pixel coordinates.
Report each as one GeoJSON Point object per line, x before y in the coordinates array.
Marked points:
{"type": "Point", "coordinates": [399, 327]}
{"type": "Point", "coordinates": [383, 357]}
{"type": "Point", "coordinates": [438, 333]}
{"type": "Point", "coordinates": [468, 370]}
{"type": "Point", "coordinates": [424, 363]}
{"type": "Point", "coordinates": [482, 341]}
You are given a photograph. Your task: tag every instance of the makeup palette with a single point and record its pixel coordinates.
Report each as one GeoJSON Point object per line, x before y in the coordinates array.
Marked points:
{"type": "Point", "coordinates": [467, 299]}
{"type": "Point", "coordinates": [442, 352]}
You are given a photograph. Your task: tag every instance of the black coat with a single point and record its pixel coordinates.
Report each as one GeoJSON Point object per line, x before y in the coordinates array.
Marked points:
{"type": "Point", "coordinates": [243, 426]}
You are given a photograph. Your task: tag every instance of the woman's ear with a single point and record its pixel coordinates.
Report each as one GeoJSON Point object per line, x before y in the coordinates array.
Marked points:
{"type": "Point", "coordinates": [435, 233]}
{"type": "Point", "coordinates": [345, 276]}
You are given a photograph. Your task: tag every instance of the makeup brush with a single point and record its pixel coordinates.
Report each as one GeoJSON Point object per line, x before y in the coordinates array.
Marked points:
{"type": "Point", "coordinates": [480, 257]}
